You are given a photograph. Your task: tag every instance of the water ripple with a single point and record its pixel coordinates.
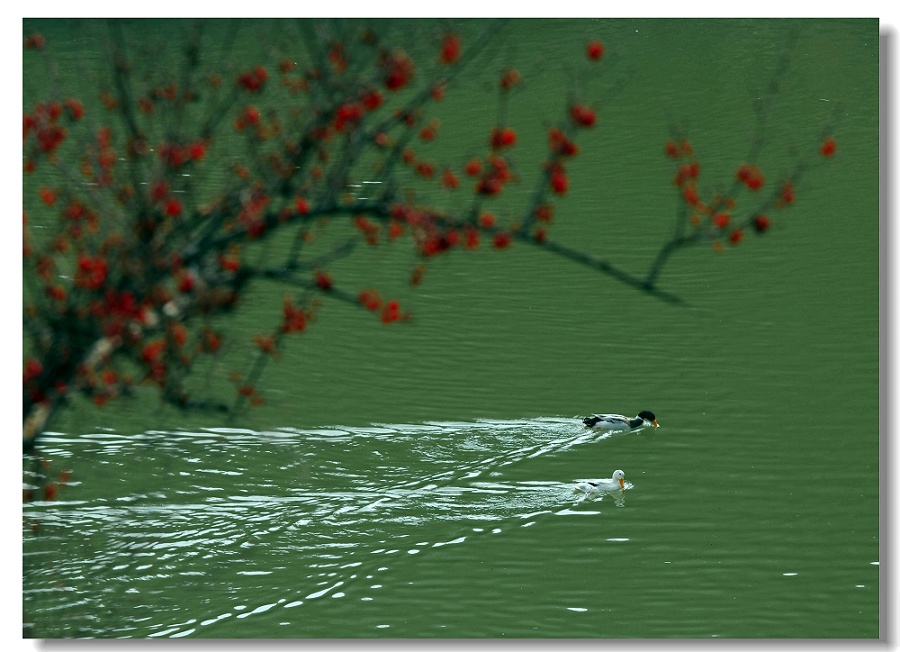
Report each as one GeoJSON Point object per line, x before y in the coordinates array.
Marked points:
{"type": "Point", "coordinates": [332, 525]}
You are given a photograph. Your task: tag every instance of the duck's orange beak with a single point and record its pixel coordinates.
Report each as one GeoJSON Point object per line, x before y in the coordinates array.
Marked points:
{"type": "Point", "coordinates": [655, 423]}
{"type": "Point", "coordinates": [622, 482]}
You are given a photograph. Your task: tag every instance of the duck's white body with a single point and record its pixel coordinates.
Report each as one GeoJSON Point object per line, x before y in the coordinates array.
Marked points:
{"type": "Point", "coordinates": [620, 422]}
{"type": "Point", "coordinates": [615, 483]}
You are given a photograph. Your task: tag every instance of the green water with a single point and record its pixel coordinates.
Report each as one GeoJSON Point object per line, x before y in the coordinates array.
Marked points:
{"type": "Point", "coordinates": [415, 480]}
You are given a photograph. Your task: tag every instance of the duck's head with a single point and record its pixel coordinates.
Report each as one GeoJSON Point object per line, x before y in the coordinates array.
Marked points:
{"type": "Point", "coordinates": [647, 415]}
{"type": "Point", "coordinates": [619, 476]}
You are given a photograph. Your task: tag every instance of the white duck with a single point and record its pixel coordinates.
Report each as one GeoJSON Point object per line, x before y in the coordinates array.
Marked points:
{"type": "Point", "coordinates": [620, 422]}
{"type": "Point", "coordinates": [615, 483]}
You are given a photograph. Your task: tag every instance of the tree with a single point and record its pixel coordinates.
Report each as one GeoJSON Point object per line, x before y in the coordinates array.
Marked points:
{"type": "Point", "coordinates": [183, 186]}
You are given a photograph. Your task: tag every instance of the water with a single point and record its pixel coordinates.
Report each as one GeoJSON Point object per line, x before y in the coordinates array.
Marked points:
{"type": "Point", "coordinates": [369, 531]}
{"type": "Point", "coordinates": [416, 480]}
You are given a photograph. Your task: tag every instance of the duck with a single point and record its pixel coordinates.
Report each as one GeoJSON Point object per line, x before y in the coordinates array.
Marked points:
{"type": "Point", "coordinates": [620, 422]}
{"type": "Point", "coordinates": [615, 483]}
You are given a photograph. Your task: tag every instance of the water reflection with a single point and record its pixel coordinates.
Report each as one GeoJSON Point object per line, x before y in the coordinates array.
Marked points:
{"type": "Point", "coordinates": [597, 495]}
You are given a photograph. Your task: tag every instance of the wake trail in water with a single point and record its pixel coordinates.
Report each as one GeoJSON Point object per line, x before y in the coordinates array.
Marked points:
{"type": "Point", "coordinates": [469, 470]}
{"type": "Point", "coordinates": [293, 517]}
{"type": "Point", "coordinates": [361, 537]}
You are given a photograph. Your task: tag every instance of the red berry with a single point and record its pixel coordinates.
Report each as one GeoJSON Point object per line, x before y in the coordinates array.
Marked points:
{"type": "Point", "coordinates": [449, 180]}
{"type": "Point", "coordinates": [425, 169]}
{"type": "Point", "coordinates": [197, 151]}
{"type": "Point", "coordinates": [829, 146]}
{"type": "Point", "coordinates": [347, 114]}
{"type": "Point", "coordinates": [690, 194]}
{"type": "Point", "coordinates": [398, 69]}
{"type": "Point", "coordinates": [323, 281]}
{"type": "Point", "coordinates": [33, 369]}
{"type": "Point", "coordinates": [152, 351]}
{"type": "Point", "coordinates": [75, 108]}
{"type": "Point", "coordinates": [472, 237]}
{"type": "Point", "coordinates": [489, 186]}
{"type": "Point", "coordinates": [672, 150]}
{"type": "Point", "coordinates": [761, 223]}
{"type": "Point", "coordinates": [50, 491]}
{"type": "Point", "coordinates": [544, 213]}
{"type": "Point", "coordinates": [35, 41]}
{"type": "Point", "coordinates": [48, 196]}
{"type": "Point", "coordinates": [187, 283]}
{"type": "Point", "coordinates": [390, 312]}
{"type": "Point", "coordinates": [502, 240]}
{"type": "Point", "coordinates": [751, 176]}
{"type": "Point", "coordinates": [787, 193]}
{"type": "Point", "coordinates": [559, 182]}
{"type": "Point", "coordinates": [173, 207]}
{"type": "Point", "coordinates": [559, 144]}
{"type": "Point", "coordinates": [502, 137]}
{"type": "Point", "coordinates": [370, 299]}
{"type": "Point", "coordinates": [372, 100]}
{"type": "Point", "coordinates": [251, 115]}
{"type": "Point", "coordinates": [510, 78]}
{"type": "Point", "coordinates": [450, 49]}
{"type": "Point", "coordinates": [583, 115]}
{"type": "Point", "coordinates": [595, 50]}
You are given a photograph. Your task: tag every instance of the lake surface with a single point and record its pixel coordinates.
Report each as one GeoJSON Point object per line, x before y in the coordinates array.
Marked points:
{"type": "Point", "coordinates": [415, 480]}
